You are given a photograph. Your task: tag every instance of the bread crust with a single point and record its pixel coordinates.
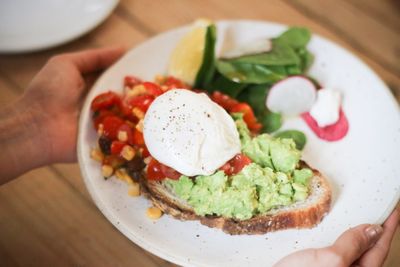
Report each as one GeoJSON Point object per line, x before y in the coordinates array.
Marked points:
{"type": "Point", "coordinates": [293, 216]}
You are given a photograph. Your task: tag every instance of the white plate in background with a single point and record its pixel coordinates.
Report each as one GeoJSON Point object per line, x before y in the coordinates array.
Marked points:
{"type": "Point", "coordinates": [363, 168]}
{"type": "Point", "coordinates": [30, 25]}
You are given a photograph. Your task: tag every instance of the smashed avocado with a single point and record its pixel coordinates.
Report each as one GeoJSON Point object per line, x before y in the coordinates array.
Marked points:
{"type": "Point", "coordinates": [270, 181]}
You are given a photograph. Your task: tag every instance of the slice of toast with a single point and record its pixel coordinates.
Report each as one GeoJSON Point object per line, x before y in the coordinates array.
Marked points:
{"type": "Point", "coordinates": [301, 214]}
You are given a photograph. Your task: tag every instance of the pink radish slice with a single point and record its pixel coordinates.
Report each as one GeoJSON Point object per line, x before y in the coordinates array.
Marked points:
{"type": "Point", "coordinates": [332, 132]}
{"type": "Point", "coordinates": [291, 96]}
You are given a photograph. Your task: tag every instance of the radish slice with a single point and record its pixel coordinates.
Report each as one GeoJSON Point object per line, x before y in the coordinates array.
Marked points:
{"type": "Point", "coordinates": [291, 96]}
{"type": "Point", "coordinates": [251, 48]}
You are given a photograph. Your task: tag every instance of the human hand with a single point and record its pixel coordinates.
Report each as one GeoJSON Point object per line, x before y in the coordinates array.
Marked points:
{"type": "Point", "coordinates": [364, 245]}
{"type": "Point", "coordinates": [58, 90]}
{"type": "Point", "coordinates": [41, 127]}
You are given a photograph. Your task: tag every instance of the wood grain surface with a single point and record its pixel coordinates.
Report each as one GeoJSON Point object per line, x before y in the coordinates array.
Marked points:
{"type": "Point", "coordinates": [47, 217]}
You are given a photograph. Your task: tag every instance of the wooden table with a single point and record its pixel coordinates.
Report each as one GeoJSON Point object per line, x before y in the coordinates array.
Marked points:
{"type": "Point", "coordinates": [47, 217]}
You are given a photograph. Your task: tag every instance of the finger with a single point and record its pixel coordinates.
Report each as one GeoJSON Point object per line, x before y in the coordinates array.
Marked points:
{"type": "Point", "coordinates": [95, 59]}
{"type": "Point", "coordinates": [390, 226]}
{"type": "Point", "coordinates": [354, 242]}
{"type": "Point", "coordinates": [91, 78]}
{"type": "Point", "coordinates": [377, 254]}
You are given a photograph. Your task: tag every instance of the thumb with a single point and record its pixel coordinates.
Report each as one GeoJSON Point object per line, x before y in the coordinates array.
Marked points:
{"type": "Point", "coordinates": [354, 242]}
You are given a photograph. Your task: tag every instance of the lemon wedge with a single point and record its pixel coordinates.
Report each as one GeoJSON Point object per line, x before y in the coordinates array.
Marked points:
{"type": "Point", "coordinates": [188, 56]}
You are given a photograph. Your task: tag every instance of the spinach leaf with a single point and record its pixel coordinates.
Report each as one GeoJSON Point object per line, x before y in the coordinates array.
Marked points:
{"type": "Point", "coordinates": [224, 85]}
{"type": "Point", "coordinates": [293, 70]}
{"type": "Point", "coordinates": [271, 121]}
{"type": "Point", "coordinates": [207, 69]}
{"type": "Point", "coordinates": [298, 137]}
{"type": "Point", "coordinates": [295, 37]}
{"type": "Point", "coordinates": [281, 54]}
{"type": "Point", "coordinates": [306, 58]}
{"type": "Point", "coordinates": [287, 57]}
{"type": "Point", "coordinates": [255, 96]}
{"type": "Point", "coordinates": [248, 73]}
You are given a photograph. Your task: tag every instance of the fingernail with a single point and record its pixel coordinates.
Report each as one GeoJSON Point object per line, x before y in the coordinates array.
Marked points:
{"type": "Point", "coordinates": [373, 232]}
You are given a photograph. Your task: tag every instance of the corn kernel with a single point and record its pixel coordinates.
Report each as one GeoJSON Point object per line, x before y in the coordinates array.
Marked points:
{"type": "Point", "coordinates": [129, 180]}
{"type": "Point", "coordinates": [138, 113]}
{"type": "Point", "coordinates": [123, 175]}
{"type": "Point", "coordinates": [139, 126]}
{"type": "Point", "coordinates": [100, 129]}
{"type": "Point", "coordinates": [136, 90]}
{"type": "Point", "coordinates": [122, 136]}
{"type": "Point", "coordinates": [97, 155]}
{"type": "Point", "coordinates": [107, 170]}
{"type": "Point", "coordinates": [147, 160]}
{"type": "Point", "coordinates": [154, 213]}
{"type": "Point", "coordinates": [160, 79]}
{"type": "Point", "coordinates": [120, 174]}
{"type": "Point", "coordinates": [128, 152]}
{"type": "Point", "coordinates": [134, 190]}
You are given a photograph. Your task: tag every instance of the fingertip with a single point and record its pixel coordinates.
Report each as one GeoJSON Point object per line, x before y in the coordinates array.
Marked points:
{"type": "Point", "coordinates": [354, 242]}
{"type": "Point", "coordinates": [393, 220]}
{"type": "Point", "coordinates": [397, 210]}
{"type": "Point", "coordinates": [373, 233]}
{"type": "Point", "coordinates": [122, 48]}
{"type": "Point", "coordinates": [116, 51]}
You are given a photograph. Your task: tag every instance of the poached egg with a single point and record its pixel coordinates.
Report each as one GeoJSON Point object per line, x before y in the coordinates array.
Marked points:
{"type": "Point", "coordinates": [190, 133]}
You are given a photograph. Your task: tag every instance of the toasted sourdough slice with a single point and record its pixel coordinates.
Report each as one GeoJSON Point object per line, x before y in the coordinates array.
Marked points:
{"type": "Point", "coordinates": [302, 214]}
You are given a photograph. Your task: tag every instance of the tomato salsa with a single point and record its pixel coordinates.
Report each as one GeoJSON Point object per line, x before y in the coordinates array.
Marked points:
{"type": "Point", "coordinates": [118, 120]}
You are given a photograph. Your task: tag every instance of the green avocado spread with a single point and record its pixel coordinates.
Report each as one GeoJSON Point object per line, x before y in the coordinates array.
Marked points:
{"type": "Point", "coordinates": [271, 180]}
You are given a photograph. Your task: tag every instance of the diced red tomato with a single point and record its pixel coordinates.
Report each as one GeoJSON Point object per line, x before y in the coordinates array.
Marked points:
{"type": "Point", "coordinates": [137, 138]}
{"type": "Point", "coordinates": [158, 171]}
{"type": "Point", "coordinates": [141, 101]}
{"type": "Point", "coordinates": [126, 112]}
{"type": "Point", "coordinates": [129, 132]}
{"type": "Point", "coordinates": [170, 173]}
{"type": "Point", "coordinates": [111, 126]}
{"type": "Point", "coordinates": [153, 89]}
{"type": "Point", "coordinates": [239, 162]}
{"type": "Point", "coordinates": [223, 100]}
{"type": "Point", "coordinates": [105, 101]}
{"type": "Point", "coordinates": [99, 117]}
{"type": "Point", "coordinates": [227, 168]}
{"type": "Point", "coordinates": [116, 147]}
{"type": "Point", "coordinates": [154, 171]}
{"type": "Point", "coordinates": [236, 164]}
{"type": "Point", "coordinates": [145, 152]}
{"type": "Point", "coordinates": [232, 105]}
{"type": "Point", "coordinates": [131, 81]}
{"type": "Point", "coordinates": [248, 116]}
{"type": "Point", "coordinates": [172, 83]}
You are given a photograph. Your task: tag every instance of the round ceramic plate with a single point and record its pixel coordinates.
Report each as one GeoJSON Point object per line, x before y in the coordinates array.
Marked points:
{"type": "Point", "coordinates": [27, 25]}
{"type": "Point", "coordinates": [362, 168]}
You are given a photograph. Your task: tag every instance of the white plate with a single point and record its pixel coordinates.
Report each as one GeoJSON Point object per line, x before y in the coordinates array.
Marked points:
{"type": "Point", "coordinates": [27, 25]}
{"type": "Point", "coordinates": [363, 168]}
